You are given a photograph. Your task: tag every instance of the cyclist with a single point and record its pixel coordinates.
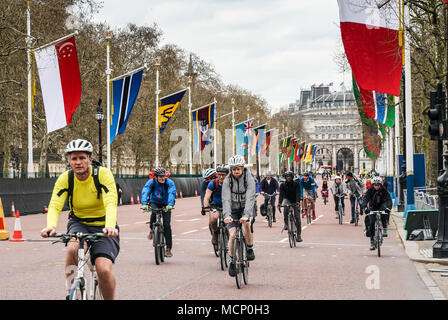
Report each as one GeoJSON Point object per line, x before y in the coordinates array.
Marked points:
{"type": "Point", "coordinates": [324, 190]}
{"type": "Point", "coordinates": [289, 195]}
{"type": "Point", "coordinates": [269, 185]}
{"type": "Point", "coordinates": [213, 197]}
{"type": "Point", "coordinates": [355, 188]}
{"type": "Point", "coordinates": [377, 198]}
{"type": "Point", "coordinates": [308, 190]}
{"type": "Point", "coordinates": [385, 183]}
{"type": "Point", "coordinates": [338, 189]}
{"type": "Point", "coordinates": [208, 175]}
{"type": "Point", "coordinates": [161, 193]}
{"type": "Point", "coordinates": [90, 212]}
{"type": "Point", "coordinates": [238, 199]}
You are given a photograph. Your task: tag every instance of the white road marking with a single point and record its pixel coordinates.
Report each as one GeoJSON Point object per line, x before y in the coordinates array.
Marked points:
{"type": "Point", "coordinates": [140, 222]}
{"type": "Point", "coordinates": [204, 228]}
{"type": "Point", "coordinates": [196, 219]}
{"type": "Point", "coordinates": [124, 225]}
{"type": "Point", "coordinates": [191, 231]}
{"type": "Point", "coordinates": [303, 228]}
{"type": "Point", "coordinates": [283, 240]}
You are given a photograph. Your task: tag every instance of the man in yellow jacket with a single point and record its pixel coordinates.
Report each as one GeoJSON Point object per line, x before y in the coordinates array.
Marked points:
{"type": "Point", "coordinates": [93, 209]}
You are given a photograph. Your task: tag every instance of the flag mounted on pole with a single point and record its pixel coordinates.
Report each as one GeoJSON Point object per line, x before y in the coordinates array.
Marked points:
{"type": "Point", "coordinates": [371, 41]}
{"type": "Point", "coordinates": [124, 93]}
{"type": "Point", "coordinates": [243, 131]}
{"type": "Point", "coordinates": [267, 142]}
{"type": "Point", "coordinates": [60, 81]}
{"type": "Point", "coordinates": [299, 152]}
{"type": "Point", "coordinates": [203, 120]}
{"type": "Point", "coordinates": [378, 106]}
{"type": "Point", "coordinates": [257, 139]}
{"type": "Point", "coordinates": [168, 106]}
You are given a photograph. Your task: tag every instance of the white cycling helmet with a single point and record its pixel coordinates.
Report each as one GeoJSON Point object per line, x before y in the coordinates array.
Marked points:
{"type": "Point", "coordinates": [377, 180]}
{"type": "Point", "coordinates": [337, 177]}
{"type": "Point", "coordinates": [80, 145]}
{"type": "Point", "coordinates": [207, 173]}
{"type": "Point", "coordinates": [236, 161]}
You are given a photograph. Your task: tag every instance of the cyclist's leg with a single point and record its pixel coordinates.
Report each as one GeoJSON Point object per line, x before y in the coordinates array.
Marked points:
{"type": "Point", "coordinates": [273, 207]}
{"type": "Point", "coordinates": [352, 203]}
{"type": "Point", "coordinates": [360, 203]}
{"type": "Point", "coordinates": [167, 229]}
{"type": "Point", "coordinates": [106, 279]}
{"type": "Point", "coordinates": [247, 234]}
{"type": "Point", "coordinates": [71, 258]}
{"type": "Point", "coordinates": [213, 220]}
{"type": "Point", "coordinates": [298, 222]}
{"type": "Point", "coordinates": [336, 205]}
{"type": "Point", "coordinates": [285, 213]}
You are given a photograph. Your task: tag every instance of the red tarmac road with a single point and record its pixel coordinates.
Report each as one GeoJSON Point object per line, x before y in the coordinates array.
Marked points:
{"type": "Point", "coordinates": [333, 261]}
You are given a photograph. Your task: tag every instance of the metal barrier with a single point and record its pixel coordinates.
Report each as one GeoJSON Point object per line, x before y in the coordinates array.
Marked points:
{"type": "Point", "coordinates": [425, 198]}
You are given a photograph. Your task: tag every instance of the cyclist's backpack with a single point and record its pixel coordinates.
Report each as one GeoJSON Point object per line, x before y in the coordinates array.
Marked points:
{"type": "Point", "coordinates": [165, 187]}
{"type": "Point", "coordinates": [71, 181]}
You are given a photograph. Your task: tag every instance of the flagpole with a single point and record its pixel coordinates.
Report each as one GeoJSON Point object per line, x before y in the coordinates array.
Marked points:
{"type": "Point", "coordinates": [409, 130]}
{"type": "Point", "coordinates": [233, 126]}
{"type": "Point", "coordinates": [30, 113]}
{"type": "Point", "coordinates": [190, 154]}
{"type": "Point", "coordinates": [108, 72]}
{"type": "Point", "coordinates": [56, 41]}
{"type": "Point", "coordinates": [397, 148]}
{"type": "Point", "coordinates": [157, 64]}
{"type": "Point", "coordinates": [215, 135]}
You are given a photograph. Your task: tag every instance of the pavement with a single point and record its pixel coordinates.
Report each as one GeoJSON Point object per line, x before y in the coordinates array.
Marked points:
{"type": "Point", "coordinates": [421, 253]}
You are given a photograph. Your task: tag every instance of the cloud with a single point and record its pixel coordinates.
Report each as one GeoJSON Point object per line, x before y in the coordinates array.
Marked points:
{"type": "Point", "coordinates": [271, 48]}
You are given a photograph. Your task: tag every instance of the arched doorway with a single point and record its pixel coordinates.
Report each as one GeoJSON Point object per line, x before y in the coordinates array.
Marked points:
{"type": "Point", "coordinates": [323, 157]}
{"type": "Point", "coordinates": [345, 160]}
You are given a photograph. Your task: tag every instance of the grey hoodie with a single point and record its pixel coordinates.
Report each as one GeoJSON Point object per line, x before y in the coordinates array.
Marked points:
{"type": "Point", "coordinates": [232, 200]}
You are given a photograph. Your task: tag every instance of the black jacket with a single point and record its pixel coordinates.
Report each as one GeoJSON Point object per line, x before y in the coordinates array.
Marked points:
{"type": "Point", "coordinates": [290, 191]}
{"type": "Point", "coordinates": [269, 188]}
{"type": "Point", "coordinates": [374, 199]}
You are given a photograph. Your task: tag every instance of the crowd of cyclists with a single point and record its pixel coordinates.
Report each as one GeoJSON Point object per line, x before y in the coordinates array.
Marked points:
{"type": "Point", "coordinates": [231, 189]}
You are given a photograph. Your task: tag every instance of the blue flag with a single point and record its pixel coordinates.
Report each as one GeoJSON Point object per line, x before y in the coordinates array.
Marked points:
{"type": "Point", "coordinates": [124, 94]}
{"type": "Point", "coordinates": [241, 139]}
{"type": "Point", "coordinates": [168, 106]}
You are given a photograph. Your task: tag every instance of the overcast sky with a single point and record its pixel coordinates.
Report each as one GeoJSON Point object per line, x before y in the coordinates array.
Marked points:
{"type": "Point", "coordinates": [270, 47]}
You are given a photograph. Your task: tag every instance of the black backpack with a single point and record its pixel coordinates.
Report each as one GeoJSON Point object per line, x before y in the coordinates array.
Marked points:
{"type": "Point", "coordinates": [71, 181]}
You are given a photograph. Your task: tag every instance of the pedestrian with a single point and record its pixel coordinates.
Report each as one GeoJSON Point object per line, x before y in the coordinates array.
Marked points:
{"type": "Point", "coordinates": [119, 193]}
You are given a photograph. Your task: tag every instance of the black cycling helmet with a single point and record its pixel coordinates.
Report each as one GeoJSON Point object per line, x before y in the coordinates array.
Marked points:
{"type": "Point", "coordinates": [349, 174]}
{"type": "Point", "coordinates": [222, 168]}
{"type": "Point", "coordinates": [288, 173]}
{"type": "Point", "coordinates": [306, 174]}
{"type": "Point", "coordinates": [159, 172]}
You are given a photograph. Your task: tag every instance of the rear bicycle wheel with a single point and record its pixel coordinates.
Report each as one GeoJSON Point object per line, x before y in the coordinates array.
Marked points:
{"type": "Point", "coordinates": [237, 261]}
{"type": "Point", "coordinates": [156, 245]}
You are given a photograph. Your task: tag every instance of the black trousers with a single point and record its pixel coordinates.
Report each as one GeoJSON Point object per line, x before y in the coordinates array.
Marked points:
{"type": "Point", "coordinates": [166, 217]}
{"type": "Point", "coordinates": [370, 222]}
{"type": "Point", "coordinates": [296, 215]}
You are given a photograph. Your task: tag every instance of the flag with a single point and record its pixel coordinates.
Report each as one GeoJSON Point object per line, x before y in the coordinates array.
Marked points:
{"type": "Point", "coordinates": [267, 143]}
{"type": "Point", "coordinates": [124, 94]}
{"type": "Point", "coordinates": [248, 128]}
{"type": "Point", "coordinates": [299, 152]}
{"type": "Point", "coordinates": [371, 41]}
{"type": "Point", "coordinates": [309, 153]}
{"type": "Point", "coordinates": [292, 150]}
{"type": "Point", "coordinates": [203, 120]}
{"type": "Point", "coordinates": [60, 82]}
{"type": "Point", "coordinates": [378, 106]}
{"type": "Point", "coordinates": [257, 140]}
{"type": "Point", "coordinates": [284, 148]}
{"type": "Point", "coordinates": [168, 106]}
{"type": "Point", "coordinates": [241, 139]}
{"type": "Point", "coordinates": [314, 153]}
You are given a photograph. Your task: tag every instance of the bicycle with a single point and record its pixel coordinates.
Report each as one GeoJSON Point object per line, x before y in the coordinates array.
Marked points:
{"type": "Point", "coordinates": [158, 237]}
{"type": "Point", "coordinates": [223, 239]}
{"type": "Point", "coordinates": [292, 226]}
{"type": "Point", "coordinates": [270, 209]}
{"type": "Point", "coordinates": [340, 208]}
{"type": "Point", "coordinates": [80, 289]}
{"type": "Point", "coordinates": [356, 211]}
{"type": "Point", "coordinates": [308, 210]}
{"type": "Point", "coordinates": [378, 237]}
{"type": "Point", "coordinates": [240, 255]}
{"type": "Point", "coordinates": [325, 196]}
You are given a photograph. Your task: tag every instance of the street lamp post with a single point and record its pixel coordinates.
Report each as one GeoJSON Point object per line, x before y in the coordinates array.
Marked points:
{"type": "Point", "coordinates": [99, 117]}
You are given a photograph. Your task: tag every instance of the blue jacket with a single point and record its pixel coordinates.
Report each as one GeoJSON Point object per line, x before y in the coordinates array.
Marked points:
{"type": "Point", "coordinates": [309, 185]}
{"type": "Point", "coordinates": [269, 188]}
{"type": "Point", "coordinates": [159, 196]}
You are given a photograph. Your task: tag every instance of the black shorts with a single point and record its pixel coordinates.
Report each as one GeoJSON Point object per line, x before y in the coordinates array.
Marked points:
{"type": "Point", "coordinates": [104, 247]}
{"type": "Point", "coordinates": [235, 215]}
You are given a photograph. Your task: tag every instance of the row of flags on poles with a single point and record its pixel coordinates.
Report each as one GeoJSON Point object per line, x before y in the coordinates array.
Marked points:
{"type": "Point", "coordinates": [373, 43]}
{"type": "Point", "coordinates": [293, 150]}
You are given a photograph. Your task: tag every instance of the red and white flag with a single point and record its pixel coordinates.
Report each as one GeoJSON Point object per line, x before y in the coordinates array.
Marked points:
{"type": "Point", "coordinates": [370, 37]}
{"type": "Point", "coordinates": [60, 82]}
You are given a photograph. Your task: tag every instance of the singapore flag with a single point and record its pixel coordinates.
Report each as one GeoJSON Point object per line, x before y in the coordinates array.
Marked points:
{"type": "Point", "coordinates": [60, 82]}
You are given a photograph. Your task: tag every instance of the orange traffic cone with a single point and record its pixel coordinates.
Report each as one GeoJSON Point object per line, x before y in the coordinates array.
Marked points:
{"type": "Point", "coordinates": [132, 198]}
{"type": "Point", "coordinates": [45, 209]}
{"type": "Point", "coordinates": [181, 194]}
{"type": "Point", "coordinates": [138, 199]}
{"type": "Point", "coordinates": [195, 193]}
{"type": "Point", "coordinates": [13, 210]}
{"type": "Point", "coordinates": [4, 233]}
{"type": "Point", "coordinates": [17, 236]}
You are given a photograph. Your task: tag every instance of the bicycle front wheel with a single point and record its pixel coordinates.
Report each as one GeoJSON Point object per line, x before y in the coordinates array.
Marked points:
{"type": "Point", "coordinates": [269, 213]}
{"type": "Point", "coordinates": [162, 246]}
{"type": "Point", "coordinates": [291, 234]}
{"type": "Point", "coordinates": [244, 263]}
{"type": "Point", "coordinates": [97, 295]}
{"type": "Point", "coordinates": [237, 261]}
{"type": "Point", "coordinates": [340, 214]}
{"type": "Point", "coordinates": [77, 292]}
{"type": "Point", "coordinates": [156, 244]}
{"type": "Point", "coordinates": [378, 240]}
{"type": "Point", "coordinates": [222, 248]}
